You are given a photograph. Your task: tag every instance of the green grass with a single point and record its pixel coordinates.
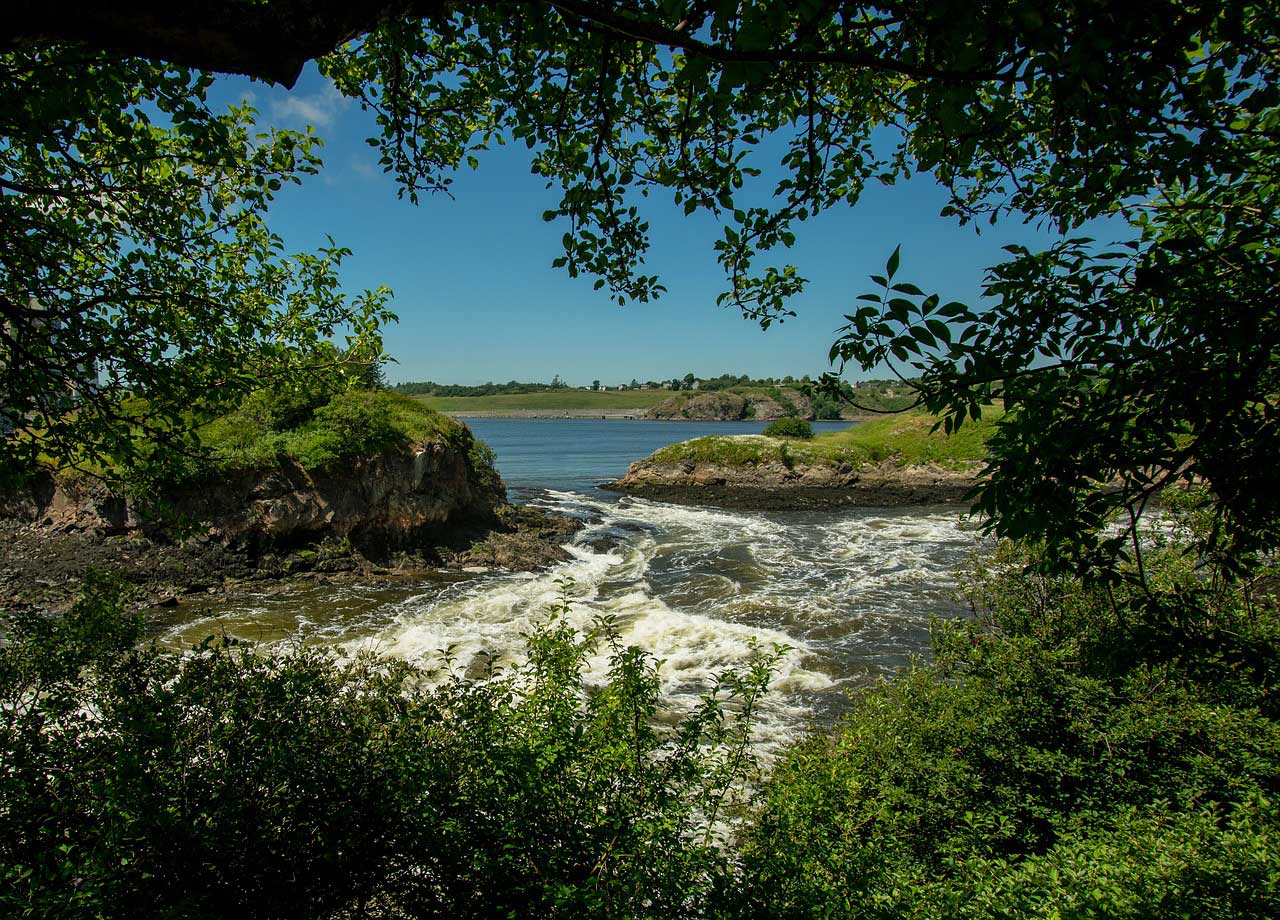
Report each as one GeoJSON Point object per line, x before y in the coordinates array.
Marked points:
{"type": "Point", "coordinates": [906, 439]}
{"type": "Point", "coordinates": [550, 400]}
{"type": "Point", "coordinates": [355, 423]}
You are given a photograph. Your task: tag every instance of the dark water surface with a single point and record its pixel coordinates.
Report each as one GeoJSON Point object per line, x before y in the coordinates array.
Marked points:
{"type": "Point", "coordinates": [849, 593]}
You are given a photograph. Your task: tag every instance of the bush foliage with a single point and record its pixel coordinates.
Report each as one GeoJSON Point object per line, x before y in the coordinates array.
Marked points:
{"type": "Point", "coordinates": [321, 432]}
{"type": "Point", "coordinates": [228, 782]}
{"type": "Point", "coordinates": [1075, 751]}
{"type": "Point", "coordinates": [789, 428]}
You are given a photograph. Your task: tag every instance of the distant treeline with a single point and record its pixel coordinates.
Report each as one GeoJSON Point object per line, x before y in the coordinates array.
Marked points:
{"type": "Point", "coordinates": [430, 388]}
{"type": "Point", "coordinates": [877, 395]}
{"type": "Point", "coordinates": [723, 382]}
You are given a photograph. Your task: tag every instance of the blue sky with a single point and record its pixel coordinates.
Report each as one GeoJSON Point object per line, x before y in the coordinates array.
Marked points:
{"type": "Point", "coordinates": [478, 299]}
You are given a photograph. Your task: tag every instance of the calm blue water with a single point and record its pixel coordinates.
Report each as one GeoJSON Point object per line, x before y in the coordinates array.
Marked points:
{"type": "Point", "coordinates": [574, 454]}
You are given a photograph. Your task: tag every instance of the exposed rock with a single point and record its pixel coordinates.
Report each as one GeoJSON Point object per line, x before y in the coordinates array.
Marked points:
{"type": "Point", "coordinates": [387, 498]}
{"type": "Point", "coordinates": [773, 485]}
{"type": "Point", "coordinates": [712, 407]}
{"type": "Point", "coordinates": [730, 406]}
{"type": "Point", "coordinates": [527, 538]}
{"type": "Point", "coordinates": [392, 513]}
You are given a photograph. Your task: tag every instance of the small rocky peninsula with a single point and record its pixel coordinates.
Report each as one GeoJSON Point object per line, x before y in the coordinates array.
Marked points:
{"type": "Point", "coordinates": [389, 512]}
{"type": "Point", "coordinates": [897, 461]}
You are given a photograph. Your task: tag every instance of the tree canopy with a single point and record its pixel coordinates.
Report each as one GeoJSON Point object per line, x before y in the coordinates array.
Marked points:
{"type": "Point", "coordinates": [140, 282]}
{"type": "Point", "coordinates": [1127, 366]}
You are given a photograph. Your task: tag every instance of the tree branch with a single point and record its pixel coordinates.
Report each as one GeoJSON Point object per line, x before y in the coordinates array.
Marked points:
{"type": "Point", "coordinates": [656, 34]}
{"type": "Point", "coordinates": [271, 41]}
{"type": "Point", "coordinates": [274, 40]}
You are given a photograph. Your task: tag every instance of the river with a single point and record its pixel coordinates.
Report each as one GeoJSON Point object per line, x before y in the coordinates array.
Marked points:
{"type": "Point", "coordinates": [850, 592]}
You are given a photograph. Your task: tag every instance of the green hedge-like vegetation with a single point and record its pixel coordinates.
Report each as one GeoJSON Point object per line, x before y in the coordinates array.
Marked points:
{"type": "Point", "coordinates": [1075, 752]}
{"type": "Point", "coordinates": [789, 428]}
{"type": "Point", "coordinates": [316, 425]}
{"type": "Point", "coordinates": [262, 432]}
{"type": "Point", "coordinates": [231, 783]}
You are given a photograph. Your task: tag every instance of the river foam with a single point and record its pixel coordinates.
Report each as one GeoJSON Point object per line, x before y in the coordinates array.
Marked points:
{"type": "Point", "coordinates": [846, 597]}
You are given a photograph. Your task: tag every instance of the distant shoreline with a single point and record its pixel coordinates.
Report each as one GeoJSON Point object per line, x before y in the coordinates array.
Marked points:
{"type": "Point", "coordinates": [634, 415]}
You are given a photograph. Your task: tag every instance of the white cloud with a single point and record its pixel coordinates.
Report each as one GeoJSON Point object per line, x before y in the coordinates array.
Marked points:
{"type": "Point", "coordinates": [366, 168]}
{"type": "Point", "coordinates": [319, 109]}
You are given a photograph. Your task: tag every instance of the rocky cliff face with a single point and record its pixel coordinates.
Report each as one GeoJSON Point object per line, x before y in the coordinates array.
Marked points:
{"type": "Point", "coordinates": [389, 497]}
{"type": "Point", "coordinates": [729, 406]}
{"type": "Point", "coordinates": [774, 485]}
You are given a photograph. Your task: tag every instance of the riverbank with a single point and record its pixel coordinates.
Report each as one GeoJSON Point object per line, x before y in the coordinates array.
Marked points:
{"type": "Point", "coordinates": [734, 404]}
{"type": "Point", "coordinates": [888, 462]}
{"type": "Point", "coordinates": [370, 485]}
{"type": "Point", "coordinates": [770, 487]}
{"type": "Point", "coordinates": [637, 415]}
{"type": "Point", "coordinates": [46, 567]}
{"type": "Point", "coordinates": [630, 414]}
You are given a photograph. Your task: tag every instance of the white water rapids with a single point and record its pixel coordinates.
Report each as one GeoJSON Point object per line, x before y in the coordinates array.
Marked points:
{"type": "Point", "coordinates": [850, 593]}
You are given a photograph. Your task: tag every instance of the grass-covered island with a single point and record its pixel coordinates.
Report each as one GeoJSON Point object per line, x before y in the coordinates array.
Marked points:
{"type": "Point", "coordinates": [893, 460]}
{"type": "Point", "coordinates": [292, 482]}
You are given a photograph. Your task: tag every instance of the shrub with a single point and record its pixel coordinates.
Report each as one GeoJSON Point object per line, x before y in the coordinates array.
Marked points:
{"type": "Point", "coordinates": [826, 407]}
{"type": "Point", "coordinates": [1079, 751]}
{"type": "Point", "coordinates": [347, 424]}
{"type": "Point", "coordinates": [352, 424]}
{"type": "Point", "coordinates": [1007, 784]}
{"type": "Point", "coordinates": [229, 783]}
{"type": "Point", "coordinates": [789, 428]}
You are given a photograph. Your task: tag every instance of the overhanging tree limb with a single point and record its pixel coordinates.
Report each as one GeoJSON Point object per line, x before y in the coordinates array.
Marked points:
{"type": "Point", "coordinates": [271, 41]}
{"type": "Point", "coordinates": [274, 40]}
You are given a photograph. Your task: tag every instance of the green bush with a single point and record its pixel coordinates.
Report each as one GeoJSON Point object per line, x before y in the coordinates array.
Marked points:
{"type": "Point", "coordinates": [230, 783]}
{"type": "Point", "coordinates": [347, 424]}
{"type": "Point", "coordinates": [789, 428]}
{"type": "Point", "coordinates": [1007, 784]}
{"type": "Point", "coordinates": [826, 407]}
{"type": "Point", "coordinates": [1079, 750]}
{"type": "Point", "coordinates": [352, 424]}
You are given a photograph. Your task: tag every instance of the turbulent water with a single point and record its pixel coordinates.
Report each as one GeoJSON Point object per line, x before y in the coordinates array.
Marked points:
{"type": "Point", "coordinates": [850, 594]}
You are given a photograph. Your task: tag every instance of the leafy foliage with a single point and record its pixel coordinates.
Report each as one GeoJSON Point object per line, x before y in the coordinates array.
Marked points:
{"type": "Point", "coordinates": [1076, 751]}
{"type": "Point", "coordinates": [825, 407]}
{"type": "Point", "coordinates": [789, 428]}
{"type": "Point", "coordinates": [268, 429]}
{"type": "Point", "coordinates": [227, 782]}
{"type": "Point", "coordinates": [141, 272]}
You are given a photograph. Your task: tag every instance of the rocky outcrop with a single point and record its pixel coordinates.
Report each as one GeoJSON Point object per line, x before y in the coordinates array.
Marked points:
{"type": "Point", "coordinates": [710, 407]}
{"type": "Point", "coordinates": [773, 485]}
{"type": "Point", "coordinates": [732, 406]}
{"type": "Point", "coordinates": [385, 516]}
{"type": "Point", "coordinates": [387, 497]}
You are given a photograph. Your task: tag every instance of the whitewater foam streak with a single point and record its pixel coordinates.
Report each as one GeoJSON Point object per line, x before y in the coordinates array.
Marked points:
{"type": "Point", "coordinates": [848, 595]}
